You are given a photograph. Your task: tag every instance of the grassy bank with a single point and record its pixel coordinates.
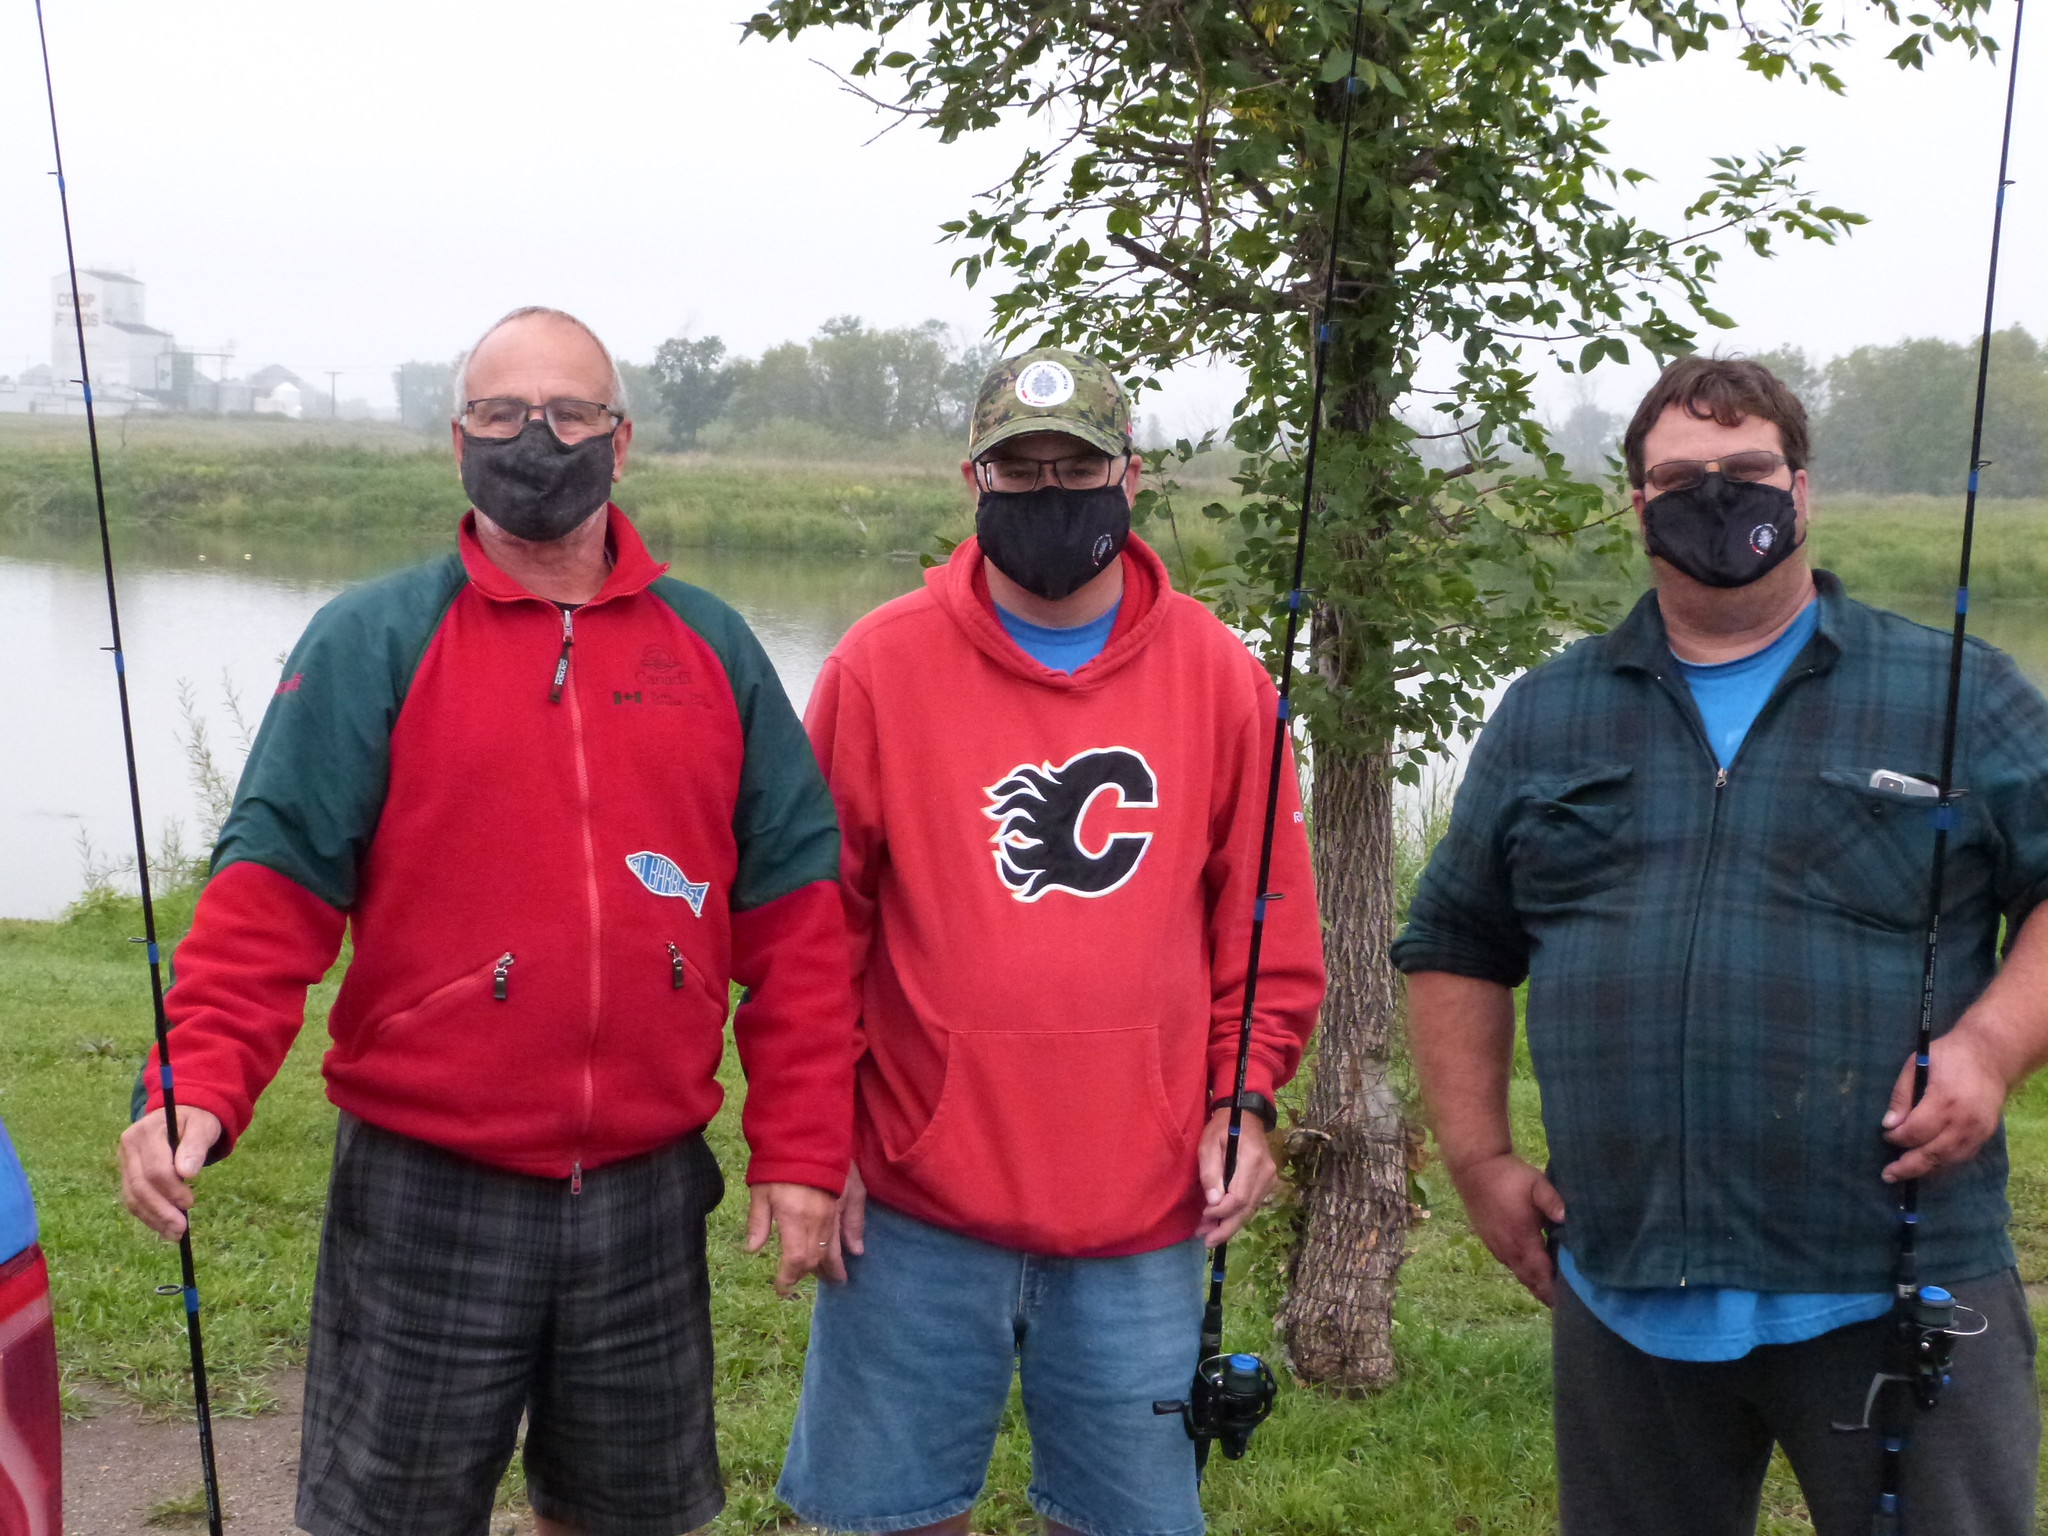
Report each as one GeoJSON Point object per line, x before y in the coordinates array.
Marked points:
{"type": "Point", "coordinates": [1461, 1444]}
{"type": "Point", "coordinates": [791, 489]}
{"type": "Point", "coordinates": [788, 492]}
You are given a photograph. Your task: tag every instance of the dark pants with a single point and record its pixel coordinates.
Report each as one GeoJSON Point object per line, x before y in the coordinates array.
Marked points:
{"type": "Point", "coordinates": [1653, 1447]}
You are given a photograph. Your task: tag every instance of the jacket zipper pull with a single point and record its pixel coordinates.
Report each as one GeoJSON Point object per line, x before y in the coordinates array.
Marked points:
{"type": "Point", "coordinates": [576, 1177]}
{"type": "Point", "coordinates": [675, 966]}
{"type": "Point", "coordinates": [1721, 778]}
{"type": "Point", "coordinates": [501, 976]}
{"type": "Point", "coordinates": [562, 661]}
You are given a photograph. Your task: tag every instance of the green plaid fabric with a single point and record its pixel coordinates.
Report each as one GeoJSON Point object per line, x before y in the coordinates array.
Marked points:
{"type": "Point", "coordinates": [1724, 969]}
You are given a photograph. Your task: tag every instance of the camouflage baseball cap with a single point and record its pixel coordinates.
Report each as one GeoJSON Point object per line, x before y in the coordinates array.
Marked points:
{"type": "Point", "coordinates": [1050, 389]}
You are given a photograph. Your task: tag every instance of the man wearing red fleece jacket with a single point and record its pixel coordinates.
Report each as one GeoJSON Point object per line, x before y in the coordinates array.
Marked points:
{"type": "Point", "coordinates": [1049, 769]}
{"type": "Point", "coordinates": [560, 802]}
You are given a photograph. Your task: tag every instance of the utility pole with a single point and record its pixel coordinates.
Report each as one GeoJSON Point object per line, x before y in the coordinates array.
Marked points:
{"type": "Point", "coordinates": [333, 409]}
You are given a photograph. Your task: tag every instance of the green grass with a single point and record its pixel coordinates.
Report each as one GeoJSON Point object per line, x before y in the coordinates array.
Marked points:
{"type": "Point", "coordinates": [1904, 546]}
{"type": "Point", "coordinates": [777, 494]}
{"type": "Point", "coordinates": [1460, 1444]}
{"type": "Point", "coordinates": [786, 488]}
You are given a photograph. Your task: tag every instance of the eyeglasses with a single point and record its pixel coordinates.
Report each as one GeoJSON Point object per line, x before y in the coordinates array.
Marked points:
{"type": "Point", "coordinates": [1084, 472]}
{"type": "Point", "coordinates": [573, 421]}
{"type": "Point", "coordinates": [1684, 474]}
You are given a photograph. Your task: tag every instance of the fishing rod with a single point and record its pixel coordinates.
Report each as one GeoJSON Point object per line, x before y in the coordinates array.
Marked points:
{"type": "Point", "coordinates": [1232, 1394]}
{"type": "Point", "coordinates": [1922, 1334]}
{"type": "Point", "coordinates": [189, 1290]}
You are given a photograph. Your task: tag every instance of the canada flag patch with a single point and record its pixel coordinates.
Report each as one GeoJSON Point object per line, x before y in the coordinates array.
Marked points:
{"type": "Point", "coordinates": [663, 876]}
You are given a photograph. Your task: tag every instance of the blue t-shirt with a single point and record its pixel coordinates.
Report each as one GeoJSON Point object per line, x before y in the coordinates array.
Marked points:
{"type": "Point", "coordinates": [17, 1210]}
{"type": "Point", "coordinates": [1060, 650]}
{"type": "Point", "coordinates": [1731, 694]}
{"type": "Point", "coordinates": [1713, 1322]}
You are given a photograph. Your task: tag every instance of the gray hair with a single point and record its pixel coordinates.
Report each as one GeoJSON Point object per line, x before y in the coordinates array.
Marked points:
{"type": "Point", "coordinates": [618, 400]}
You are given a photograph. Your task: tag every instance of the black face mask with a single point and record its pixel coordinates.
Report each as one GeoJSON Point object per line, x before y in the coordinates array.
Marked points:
{"type": "Point", "coordinates": [1052, 541]}
{"type": "Point", "coordinates": [1722, 532]}
{"type": "Point", "coordinates": [535, 486]}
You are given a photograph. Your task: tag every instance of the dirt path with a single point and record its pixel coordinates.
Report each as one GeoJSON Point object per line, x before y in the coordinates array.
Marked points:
{"type": "Point", "coordinates": [119, 1470]}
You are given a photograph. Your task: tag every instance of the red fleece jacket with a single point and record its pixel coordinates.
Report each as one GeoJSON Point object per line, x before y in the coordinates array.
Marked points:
{"type": "Point", "coordinates": [556, 840]}
{"type": "Point", "coordinates": [1049, 881]}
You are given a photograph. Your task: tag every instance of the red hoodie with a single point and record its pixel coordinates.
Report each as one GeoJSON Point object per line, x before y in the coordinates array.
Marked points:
{"type": "Point", "coordinates": [1049, 881]}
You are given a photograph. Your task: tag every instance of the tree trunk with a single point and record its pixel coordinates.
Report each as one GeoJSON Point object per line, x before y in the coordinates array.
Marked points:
{"type": "Point", "coordinates": [1350, 1155]}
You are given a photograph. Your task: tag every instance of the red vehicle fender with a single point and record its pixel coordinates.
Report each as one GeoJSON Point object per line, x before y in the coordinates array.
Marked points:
{"type": "Point", "coordinates": [31, 1458]}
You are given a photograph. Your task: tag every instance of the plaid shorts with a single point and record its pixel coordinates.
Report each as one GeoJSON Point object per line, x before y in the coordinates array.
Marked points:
{"type": "Point", "coordinates": [453, 1297]}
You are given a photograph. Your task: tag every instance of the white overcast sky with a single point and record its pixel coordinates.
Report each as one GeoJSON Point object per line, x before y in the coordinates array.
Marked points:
{"type": "Point", "coordinates": [351, 186]}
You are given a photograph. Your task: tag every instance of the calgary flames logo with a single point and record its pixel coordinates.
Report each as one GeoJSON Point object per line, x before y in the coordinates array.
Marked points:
{"type": "Point", "coordinates": [1038, 814]}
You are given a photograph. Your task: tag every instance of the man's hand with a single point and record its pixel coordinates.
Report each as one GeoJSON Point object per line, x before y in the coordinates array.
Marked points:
{"type": "Point", "coordinates": [1225, 1211]}
{"type": "Point", "coordinates": [1508, 1201]}
{"type": "Point", "coordinates": [156, 1194]}
{"type": "Point", "coordinates": [1966, 1090]}
{"type": "Point", "coordinates": [807, 1219]}
{"type": "Point", "coordinates": [850, 1229]}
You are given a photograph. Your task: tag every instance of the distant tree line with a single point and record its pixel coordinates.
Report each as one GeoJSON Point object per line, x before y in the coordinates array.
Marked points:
{"type": "Point", "coordinates": [849, 377]}
{"type": "Point", "coordinates": [1892, 420]}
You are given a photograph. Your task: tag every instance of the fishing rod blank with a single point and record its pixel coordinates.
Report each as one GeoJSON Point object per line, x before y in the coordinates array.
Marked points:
{"type": "Point", "coordinates": [1232, 1394]}
{"type": "Point", "coordinates": [189, 1290]}
{"type": "Point", "coordinates": [1921, 1340]}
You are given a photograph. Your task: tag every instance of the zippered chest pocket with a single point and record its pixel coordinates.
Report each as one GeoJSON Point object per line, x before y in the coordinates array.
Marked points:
{"type": "Point", "coordinates": [1872, 850]}
{"type": "Point", "coordinates": [1572, 836]}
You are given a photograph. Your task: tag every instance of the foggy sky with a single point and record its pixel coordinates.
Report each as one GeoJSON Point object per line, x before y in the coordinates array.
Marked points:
{"type": "Point", "coordinates": [350, 187]}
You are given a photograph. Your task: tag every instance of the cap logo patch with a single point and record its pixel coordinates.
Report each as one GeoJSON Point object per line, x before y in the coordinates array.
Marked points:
{"type": "Point", "coordinates": [1045, 384]}
{"type": "Point", "coordinates": [1762, 537]}
{"type": "Point", "coordinates": [663, 876]}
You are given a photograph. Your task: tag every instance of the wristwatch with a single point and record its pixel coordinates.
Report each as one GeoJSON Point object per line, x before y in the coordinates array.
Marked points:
{"type": "Point", "coordinates": [1252, 1104]}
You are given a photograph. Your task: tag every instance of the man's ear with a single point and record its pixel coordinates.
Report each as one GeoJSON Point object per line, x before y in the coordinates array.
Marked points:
{"type": "Point", "coordinates": [455, 432]}
{"type": "Point", "coordinates": [967, 474]}
{"type": "Point", "coordinates": [622, 439]}
{"type": "Point", "coordinates": [1134, 471]}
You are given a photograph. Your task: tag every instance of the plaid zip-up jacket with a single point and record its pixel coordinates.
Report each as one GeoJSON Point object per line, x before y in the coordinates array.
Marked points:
{"type": "Point", "coordinates": [1724, 967]}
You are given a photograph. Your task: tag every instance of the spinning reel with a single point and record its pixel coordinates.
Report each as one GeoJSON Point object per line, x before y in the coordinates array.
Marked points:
{"type": "Point", "coordinates": [1231, 1397]}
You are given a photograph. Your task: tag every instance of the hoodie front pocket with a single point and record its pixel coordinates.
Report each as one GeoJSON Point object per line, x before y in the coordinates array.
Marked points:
{"type": "Point", "coordinates": [1060, 1133]}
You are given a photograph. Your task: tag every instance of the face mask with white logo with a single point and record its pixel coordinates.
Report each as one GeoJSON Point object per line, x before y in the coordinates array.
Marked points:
{"type": "Point", "coordinates": [1053, 541]}
{"type": "Point", "coordinates": [1722, 532]}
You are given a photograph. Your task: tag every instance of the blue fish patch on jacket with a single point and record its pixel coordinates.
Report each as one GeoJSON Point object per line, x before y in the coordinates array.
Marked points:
{"type": "Point", "coordinates": [663, 876]}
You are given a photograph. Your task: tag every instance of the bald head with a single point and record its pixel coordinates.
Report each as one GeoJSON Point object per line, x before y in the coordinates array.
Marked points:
{"type": "Point", "coordinates": [538, 354]}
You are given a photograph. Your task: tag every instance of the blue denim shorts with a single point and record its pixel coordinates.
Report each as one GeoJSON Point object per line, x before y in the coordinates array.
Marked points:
{"type": "Point", "coordinates": [909, 1372]}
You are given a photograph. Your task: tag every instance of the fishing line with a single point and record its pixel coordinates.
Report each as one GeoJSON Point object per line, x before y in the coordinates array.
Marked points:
{"type": "Point", "coordinates": [1233, 1394]}
{"type": "Point", "coordinates": [1922, 1326]}
{"type": "Point", "coordinates": [189, 1290]}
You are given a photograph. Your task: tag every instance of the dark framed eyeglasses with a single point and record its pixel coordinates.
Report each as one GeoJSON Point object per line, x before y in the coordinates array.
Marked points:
{"type": "Point", "coordinates": [1684, 474]}
{"type": "Point", "coordinates": [1082, 472]}
{"type": "Point", "coordinates": [573, 421]}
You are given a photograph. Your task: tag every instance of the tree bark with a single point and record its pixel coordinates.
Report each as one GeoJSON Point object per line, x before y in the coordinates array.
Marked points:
{"type": "Point", "coordinates": [1350, 1154]}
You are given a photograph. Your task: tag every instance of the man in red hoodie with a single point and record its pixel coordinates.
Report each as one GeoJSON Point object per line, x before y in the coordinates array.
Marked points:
{"type": "Point", "coordinates": [560, 803]}
{"type": "Point", "coordinates": [1050, 775]}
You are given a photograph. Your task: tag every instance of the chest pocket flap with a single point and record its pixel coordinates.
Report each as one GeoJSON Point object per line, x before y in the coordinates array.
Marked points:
{"type": "Point", "coordinates": [1570, 835]}
{"type": "Point", "coordinates": [1873, 850]}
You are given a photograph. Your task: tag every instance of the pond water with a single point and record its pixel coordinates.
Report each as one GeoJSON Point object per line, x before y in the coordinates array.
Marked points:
{"type": "Point", "coordinates": [213, 617]}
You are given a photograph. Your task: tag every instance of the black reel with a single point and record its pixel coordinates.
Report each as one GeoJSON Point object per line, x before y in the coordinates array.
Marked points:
{"type": "Point", "coordinates": [1231, 1397]}
{"type": "Point", "coordinates": [1917, 1352]}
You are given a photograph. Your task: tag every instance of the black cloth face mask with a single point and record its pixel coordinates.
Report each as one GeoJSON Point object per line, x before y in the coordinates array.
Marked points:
{"type": "Point", "coordinates": [1052, 541]}
{"type": "Point", "coordinates": [1722, 532]}
{"type": "Point", "coordinates": [535, 486]}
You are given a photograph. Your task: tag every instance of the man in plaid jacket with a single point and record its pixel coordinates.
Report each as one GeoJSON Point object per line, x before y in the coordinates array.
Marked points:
{"type": "Point", "coordinates": [1704, 840]}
